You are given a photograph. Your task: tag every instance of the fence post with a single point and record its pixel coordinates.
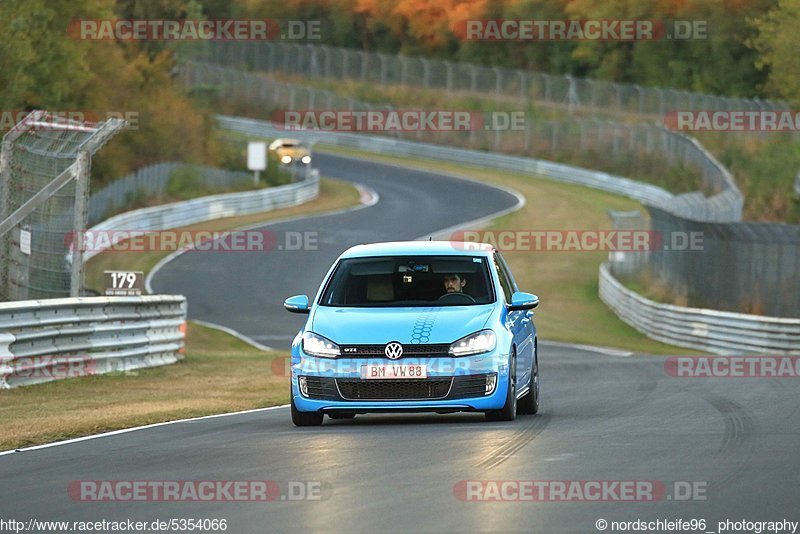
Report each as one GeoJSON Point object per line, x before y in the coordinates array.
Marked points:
{"type": "Point", "coordinates": [473, 82]}
{"type": "Point", "coordinates": [403, 68]}
{"type": "Point", "coordinates": [363, 56]}
{"type": "Point", "coordinates": [384, 72]}
{"type": "Point", "coordinates": [449, 67]}
{"type": "Point", "coordinates": [82, 172]}
{"type": "Point", "coordinates": [345, 64]}
{"type": "Point", "coordinates": [5, 192]}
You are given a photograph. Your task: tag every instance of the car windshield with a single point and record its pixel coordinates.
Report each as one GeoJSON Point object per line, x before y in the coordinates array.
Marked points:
{"type": "Point", "coordinates": [396, 281]}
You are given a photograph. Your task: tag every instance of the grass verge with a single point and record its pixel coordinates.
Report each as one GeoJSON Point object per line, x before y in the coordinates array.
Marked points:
{"type": "Point", "coordinates": [219, 374]}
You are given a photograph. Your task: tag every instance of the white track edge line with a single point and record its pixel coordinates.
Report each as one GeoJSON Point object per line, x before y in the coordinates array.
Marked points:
{"type": "Point", "coordinates": [374, 200]}
{"type": "Point", "coordinates": [142, 427]}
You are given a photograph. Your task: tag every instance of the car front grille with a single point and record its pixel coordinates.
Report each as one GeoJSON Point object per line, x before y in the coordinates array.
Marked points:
{"type": "Point", "coordinates": [466, 386]}
{"type": "Point", "coordinates": [323, 388]}
{"type": "Point", "coordinates": [357, 389]}
{"type": "Point", "coordinates": [409, 349]}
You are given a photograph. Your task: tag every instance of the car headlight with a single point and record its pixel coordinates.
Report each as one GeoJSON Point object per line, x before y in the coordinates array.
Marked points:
{"type": "Point", "coordinates": [477, 343]}
{"type": "Point", "coordinates": [306, 159]}
{"type": "Point", "coordinates": [315, 345]}
{"type": "Point", "coordinates": [286, 159]}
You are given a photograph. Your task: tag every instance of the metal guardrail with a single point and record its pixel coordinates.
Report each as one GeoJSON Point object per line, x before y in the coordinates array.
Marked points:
{"type": "Point", "coordinates": [154, 180]}
{"type": "Point", "coordinates": [725, 206]}
{"type": "Point", "coordinates": [203, 209]}
{"type": "Point", "coordinates": [714, 331]}
{"type": "Point", "coordinates": [710, 330]}
{"type": "Point", "coordinates": [44, 340]}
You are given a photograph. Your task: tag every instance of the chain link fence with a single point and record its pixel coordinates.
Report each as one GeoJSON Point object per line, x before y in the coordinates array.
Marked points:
{"type": "Point", "coordinates": [153, 180]}
{"type": "Point", "coordinates": [737, 266]}
{"type": "Point", "coordinates": [627, 263]}
{"type": "Point", "coordinates": [743, 266]}
{"type": "Point", "coordinates": [594, 98]}
{"type": "Point", "coordinates": [613, 147]}
{"type": "Point", "coordinates": [44, 184]}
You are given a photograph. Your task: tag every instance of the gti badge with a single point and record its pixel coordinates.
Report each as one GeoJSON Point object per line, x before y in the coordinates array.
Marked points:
{"type": "Point", "coordinates": [393, 350]}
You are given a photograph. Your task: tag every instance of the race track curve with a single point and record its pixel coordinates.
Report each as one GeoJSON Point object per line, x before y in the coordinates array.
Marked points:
{"type": "Point", "coordinates": [605, 416]}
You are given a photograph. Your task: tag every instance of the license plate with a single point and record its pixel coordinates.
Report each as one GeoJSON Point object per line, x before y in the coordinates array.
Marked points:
{"type": "Point", "coordinates": [375, 372]}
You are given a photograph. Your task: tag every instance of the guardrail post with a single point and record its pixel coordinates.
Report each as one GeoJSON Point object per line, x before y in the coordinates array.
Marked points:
{"type": "Point", "coordinates": [5, 358]}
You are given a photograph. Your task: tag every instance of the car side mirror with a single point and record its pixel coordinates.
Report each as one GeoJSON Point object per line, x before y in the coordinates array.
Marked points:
{"type": "Point", "coordinates": [297, 304]}
{"type": "Point", "coordinates": [523, 301]}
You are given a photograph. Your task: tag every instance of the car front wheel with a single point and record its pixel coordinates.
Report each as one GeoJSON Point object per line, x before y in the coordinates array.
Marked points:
{"type": "Point", "coordinates": [305, 418]}
{"type": "Point", "coordinates": [509, 410]}
{"type": "Point", "coordinates": [529, 403]}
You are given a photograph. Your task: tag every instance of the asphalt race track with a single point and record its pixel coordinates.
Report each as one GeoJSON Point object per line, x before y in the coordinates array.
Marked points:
{"type": "Point", "coordinates": [604, 417]}
{"type": "Point", "coordinates": [245, 290]}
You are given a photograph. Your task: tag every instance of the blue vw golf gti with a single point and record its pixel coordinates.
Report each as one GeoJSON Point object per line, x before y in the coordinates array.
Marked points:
{"type": "Point", "coordinates": [415, 326]}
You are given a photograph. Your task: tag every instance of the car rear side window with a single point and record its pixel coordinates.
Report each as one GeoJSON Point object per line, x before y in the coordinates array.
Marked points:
{"type": "Point", "coordinates": [505, 278]}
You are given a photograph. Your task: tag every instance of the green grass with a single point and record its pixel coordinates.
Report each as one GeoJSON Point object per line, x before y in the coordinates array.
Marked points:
{"type": "Point", "coordinates": [219, 374]}
{"type": "Point", "coordinates": [765, 170]}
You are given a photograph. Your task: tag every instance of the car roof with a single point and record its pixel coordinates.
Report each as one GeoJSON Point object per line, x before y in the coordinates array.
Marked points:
{"type": "Point", "coordinates": [402, 248]}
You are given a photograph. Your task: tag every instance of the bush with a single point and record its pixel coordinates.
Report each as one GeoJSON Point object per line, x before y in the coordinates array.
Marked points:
{"type": "Point", "coordinates": [184, 183]}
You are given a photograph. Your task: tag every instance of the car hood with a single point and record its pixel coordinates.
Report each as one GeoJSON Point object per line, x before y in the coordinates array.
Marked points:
{"type": "Point", "coordinates": [292, 151]}
{"type": "Point", "coordinates": [443, 324]}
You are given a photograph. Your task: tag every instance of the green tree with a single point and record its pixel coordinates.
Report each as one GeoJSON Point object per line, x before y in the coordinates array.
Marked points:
{"type": "Point", "coordinates": [778, 47]}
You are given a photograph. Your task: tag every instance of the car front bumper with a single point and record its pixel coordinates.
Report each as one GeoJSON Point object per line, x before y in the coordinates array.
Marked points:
{"type": "Point", "coordinates": [335, 385]}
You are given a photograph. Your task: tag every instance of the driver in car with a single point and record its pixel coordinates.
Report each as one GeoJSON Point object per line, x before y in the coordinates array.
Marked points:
{"type": "Point", "coordinates": [453, 283]}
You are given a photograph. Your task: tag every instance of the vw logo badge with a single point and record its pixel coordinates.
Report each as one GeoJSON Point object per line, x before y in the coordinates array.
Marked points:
{"type": "Point", "coordinates": [393, 350]}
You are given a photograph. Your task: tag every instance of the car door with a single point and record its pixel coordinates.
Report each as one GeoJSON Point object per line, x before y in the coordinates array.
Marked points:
{"type": "Point", "coordinates": [518, 322]}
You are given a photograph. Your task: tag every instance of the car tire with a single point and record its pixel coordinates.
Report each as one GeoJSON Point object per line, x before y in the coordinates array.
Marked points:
{"type": "Point", "coordinates": [341, 415]}
{"type": "Point", "coordinates": [509, 410]}
{"type": "Point", "coordinates": [529, 403]}
{"type": "Point", "coordinates": [305, 418]}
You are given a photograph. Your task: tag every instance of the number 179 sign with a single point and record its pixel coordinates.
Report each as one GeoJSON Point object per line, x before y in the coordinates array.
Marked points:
{"type": "Point", "coordinates": [124, 283]}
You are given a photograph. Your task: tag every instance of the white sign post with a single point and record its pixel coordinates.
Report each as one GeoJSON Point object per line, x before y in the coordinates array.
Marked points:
{"type": "Point", "coordinates": [256, 158]}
